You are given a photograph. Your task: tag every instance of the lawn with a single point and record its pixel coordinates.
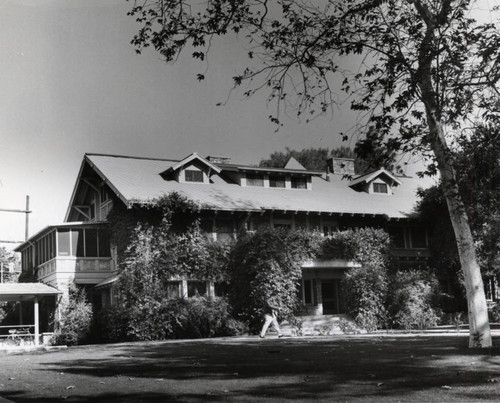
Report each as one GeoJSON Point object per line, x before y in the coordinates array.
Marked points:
{"type": "Point", "coordinates": [375, 368]}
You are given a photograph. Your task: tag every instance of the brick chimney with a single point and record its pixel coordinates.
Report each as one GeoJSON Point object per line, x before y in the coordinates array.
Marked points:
{"type": "Point", "coordinates": [340, 166]}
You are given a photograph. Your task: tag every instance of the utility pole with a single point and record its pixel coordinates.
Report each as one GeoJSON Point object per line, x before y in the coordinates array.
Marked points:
{"type": "Point", "coordinates": [27, 212]}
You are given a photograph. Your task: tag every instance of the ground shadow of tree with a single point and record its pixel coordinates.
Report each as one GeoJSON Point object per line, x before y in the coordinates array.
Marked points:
{"type": "Point", "coordinates": [376, 368]}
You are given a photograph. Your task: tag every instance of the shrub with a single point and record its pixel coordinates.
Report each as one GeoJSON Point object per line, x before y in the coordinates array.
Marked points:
{"type": "Point", "coordinates": [110, 325]}
{"type": "Point", "coordinates": [348, 327]}
{"type": "Point", "coordinates": [411, 300]}
{"type": "Point", "coordinates": [76, 318]}
{"type": "Point", "coordinates": [208, 317]}
{"type": "Point", "coordinates": [366, 287]}
{"type": "Point", "coordinates": [494, 313]}
{"type": "Point", "coordinates": [179, 318]}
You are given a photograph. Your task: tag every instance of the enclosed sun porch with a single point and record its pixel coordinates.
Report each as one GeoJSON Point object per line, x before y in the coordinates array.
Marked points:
{"type": "Point", "coordinates": [61, 254]}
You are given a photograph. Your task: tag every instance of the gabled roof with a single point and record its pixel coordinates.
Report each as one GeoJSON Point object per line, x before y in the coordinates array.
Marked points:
{"type": "Point", "coordinates": [294, 164]}
{"type": "Point", "coordinates": [370, 176]}
{"type": "Point", "coordinates": [192, 157]}
{"type": "Point", "coordinates": [138, 180]}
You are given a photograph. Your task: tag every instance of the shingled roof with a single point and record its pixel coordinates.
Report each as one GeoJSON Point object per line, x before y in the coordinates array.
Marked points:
{"type": "Point", "coordinates": [138, 180]}
{"type": "Point", "coordinates": [25, 291]}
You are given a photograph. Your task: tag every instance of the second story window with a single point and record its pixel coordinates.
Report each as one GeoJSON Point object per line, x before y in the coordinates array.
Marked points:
{"type": "Point", "coordinates": [380, 188]}
{"type": "Point", "coordinates": [276, 181]}
{"type": "Point", "coordinates": [255, 180]}
{"type": "Point", "coordinates": [299, 183]}
{"type": "Point", "coordinates": [192, 175]}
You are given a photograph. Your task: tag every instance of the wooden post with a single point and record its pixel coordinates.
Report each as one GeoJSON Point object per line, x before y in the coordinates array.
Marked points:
{"type": "Point", "coordinates": [37, 333]}
{"type": "Point", "coordinates": [26, 229]}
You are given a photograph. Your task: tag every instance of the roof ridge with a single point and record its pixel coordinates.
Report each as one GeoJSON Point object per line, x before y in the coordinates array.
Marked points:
{"type": "Point", "coordinates": [131, 157]}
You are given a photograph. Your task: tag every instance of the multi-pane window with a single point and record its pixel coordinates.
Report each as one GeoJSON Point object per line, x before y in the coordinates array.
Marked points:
{"type": "Point", "coordinates": [192, 175]}
{"type": "Point", "coordinates": [408, 237]}
{"type": "Point", "coordinates": [380, 188]}
{"type": "Point", "coordinates": [83, 242]}
{"type": "Point", "coordinates": [255, 180]}
{"type": "Point", "coordinates": [299, 183]}
{"type": "Point", "coordinates": [277, 181]}
{"type": "Point", "coordinates": [329, 229]}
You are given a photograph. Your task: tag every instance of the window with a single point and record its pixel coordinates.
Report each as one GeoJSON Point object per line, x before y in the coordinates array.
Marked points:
{"type": "Point", "coordinates": [91, 242]}
{"type": "Point", "coordinates": [104, 246]}
{"type": "Point", "coordinates": [63, 242]}
{"type": "Point", "coordinates": [197, 288]}
{"type": "Point", "coordinates": [398, 236]}
{"type": "Point", "coordinates": [283, 225]}
{"type": "Point", "coordinates": [299, 183]}
{"type": "Point", "coordinates": [173, 289]}
{"type": "Point", "coordinates": [276, 181]}
{"type": "Point", "coordinates": [221, 289]}
{"type": "Point", "coordinates": [255, 180]}
{"type": "Point", "coordinates": [380, 188]}
{"type": "Point", "coordinates": [307, 292]}
{"type": "Point", "coordinates": [192, 175]}
{"type": "Point", "coordinates": [329, 229]}
{"type": "Point", "coordinates": [78, 242]}
{"type": "Point", "coordinates": [104, 196]}
{"type": "Point", "coordinates": [418, 237]}
{"type": "Point", "coordinates": [106, 208]}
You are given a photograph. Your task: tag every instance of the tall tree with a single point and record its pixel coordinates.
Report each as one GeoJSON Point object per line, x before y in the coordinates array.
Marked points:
{"type": "Point", "coordinates": [372, 154]}
{"type": "Point", "coordinates": [478, 176]}
{"type": "Point", "coordinates": [425, 67]}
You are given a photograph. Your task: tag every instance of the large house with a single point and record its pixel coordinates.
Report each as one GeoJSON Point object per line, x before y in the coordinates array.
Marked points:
{"type": "Point", "coordinates": [231, 196]}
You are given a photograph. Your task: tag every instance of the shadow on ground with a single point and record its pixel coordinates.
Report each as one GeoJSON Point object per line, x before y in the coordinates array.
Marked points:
{"type": "Point", "coordinates": [371, 369]}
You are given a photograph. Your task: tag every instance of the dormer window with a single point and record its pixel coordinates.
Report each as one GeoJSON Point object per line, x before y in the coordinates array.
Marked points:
{"type": "Point", "coordinates": [299, 183]}
{"type": "Point", "coordinates": [380, 182]}
{"type": "Point", "coordinates": [380, 188]}
{"type": "Point", "coordinates": [192, 175]}
{"type": "Point", "coordinates": [255, 180]}
{"type": "Point", "coordinates": [192, 169]}
{"type": "Point", "coordinates": [277, 181]}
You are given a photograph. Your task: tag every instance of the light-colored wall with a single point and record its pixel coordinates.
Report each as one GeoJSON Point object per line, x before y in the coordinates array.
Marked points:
{"type": "Point", "coordinates": [61, 271]}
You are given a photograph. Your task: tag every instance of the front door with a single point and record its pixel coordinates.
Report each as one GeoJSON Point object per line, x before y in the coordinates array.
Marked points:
{"type": "Point", "coordinates": [331, 296]}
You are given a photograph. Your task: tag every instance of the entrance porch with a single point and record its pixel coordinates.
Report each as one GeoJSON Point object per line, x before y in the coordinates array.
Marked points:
{"type": "Point", "coordinates": [322, 288]}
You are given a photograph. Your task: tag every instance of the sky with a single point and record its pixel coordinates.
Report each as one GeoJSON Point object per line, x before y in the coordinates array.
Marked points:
{"type": "Point", "coordinates": [71, 83]}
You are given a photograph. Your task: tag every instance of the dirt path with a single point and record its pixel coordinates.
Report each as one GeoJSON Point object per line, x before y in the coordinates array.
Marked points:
{"type": "Point", "coordinates": [390, 368]}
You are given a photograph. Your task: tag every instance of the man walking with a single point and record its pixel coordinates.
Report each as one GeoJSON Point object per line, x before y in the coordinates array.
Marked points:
{"type": "Point", "coordinates": [270, 318]}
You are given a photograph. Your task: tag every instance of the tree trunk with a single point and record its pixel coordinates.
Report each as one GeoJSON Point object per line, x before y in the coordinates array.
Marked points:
{"type": "Point", "coordinates": [479, 327]}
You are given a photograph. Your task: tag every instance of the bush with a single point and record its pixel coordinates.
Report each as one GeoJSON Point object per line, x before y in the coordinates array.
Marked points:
{"type": "Point", "coordinates": [494, 313]}
{"type": "Point", "coordinates": [149, 320]}
{"type": "Point", "coordinates": [208, 317]}
{"type": "Point", "coordinates": [366, 287]}
{"type": "Point", "coordinates": [411, 300]}
{"type": "Point", "coordinates": [76, 318]}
